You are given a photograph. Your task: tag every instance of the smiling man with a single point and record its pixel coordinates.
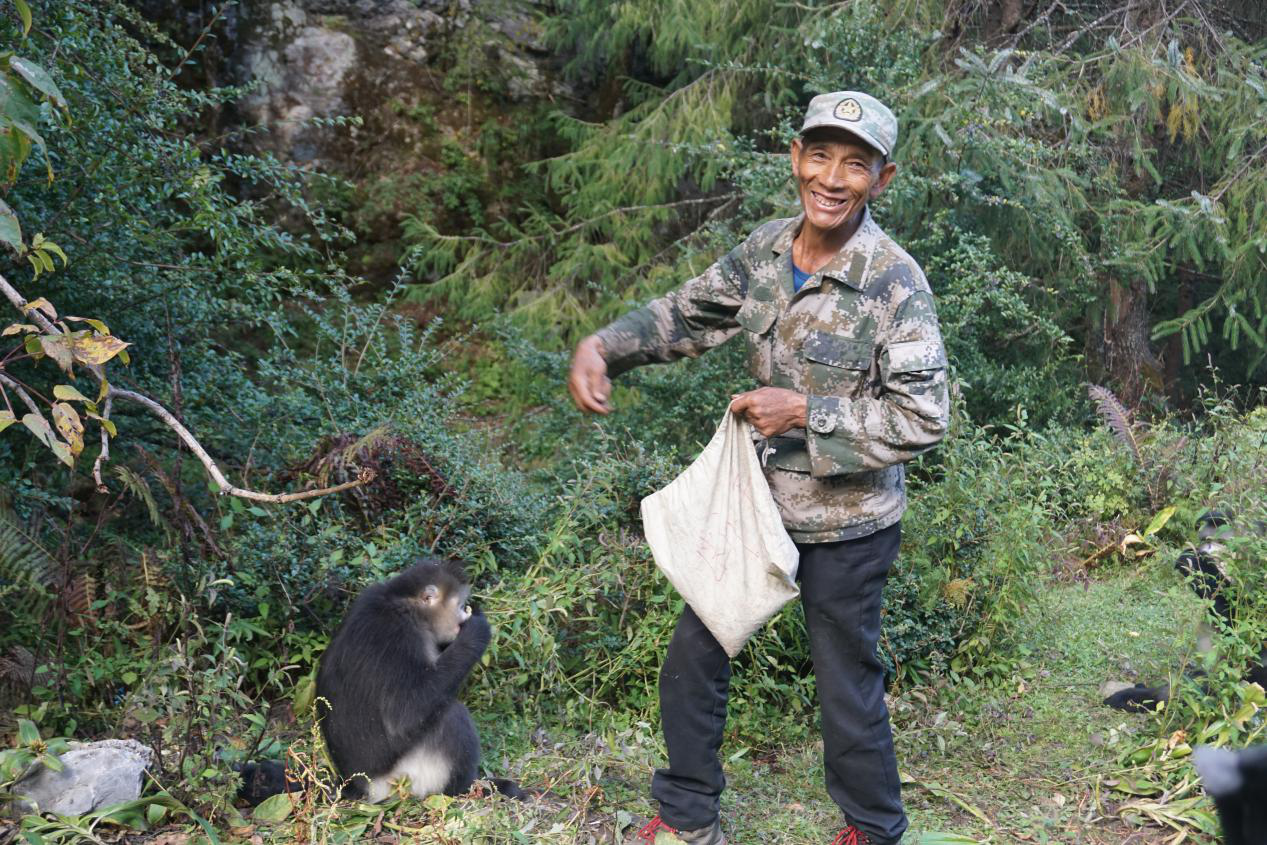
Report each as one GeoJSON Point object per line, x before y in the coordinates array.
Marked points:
{"type": "Point", "coordinates": [841, 332]}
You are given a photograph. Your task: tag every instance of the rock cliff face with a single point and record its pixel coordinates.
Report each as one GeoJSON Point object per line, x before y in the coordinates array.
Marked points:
{"type": "Point", "coordinates": [408, 100]}
{"type": "Point", "coordinates": [308, 66]}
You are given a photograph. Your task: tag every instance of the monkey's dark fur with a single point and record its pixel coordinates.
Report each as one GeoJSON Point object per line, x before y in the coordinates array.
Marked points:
{"type": "Point", "coordinates": [387, 685]}
{"type": "Point", "coordinates": [263, 779]}
{"type": "Point", "coordinates": [1237, 781]}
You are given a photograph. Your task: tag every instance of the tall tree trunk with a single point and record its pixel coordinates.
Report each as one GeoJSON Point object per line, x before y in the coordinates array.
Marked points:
{"type": "Point", "coordinates": [1119, 351]}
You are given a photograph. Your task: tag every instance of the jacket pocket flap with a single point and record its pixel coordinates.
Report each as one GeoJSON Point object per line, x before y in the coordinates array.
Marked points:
{"type": "Point", "coordinates": [838, 351]}
{"type": "Point", "coordinates": [757, 317]}
{"type": "Point", "coordinates": [914, 355]}
{"type": "Point", "coordinates": [790, 456]}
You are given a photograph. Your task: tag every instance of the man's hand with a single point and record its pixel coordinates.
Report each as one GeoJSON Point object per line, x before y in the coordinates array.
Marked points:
{"type": "Point", "coordinates": [771, 410]}
{"type": "Point", "coordinates": [588, 382]}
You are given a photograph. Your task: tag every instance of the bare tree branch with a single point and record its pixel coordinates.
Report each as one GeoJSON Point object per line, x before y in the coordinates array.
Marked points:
{"type": "Point", "coordinates": [366, 475]}
{"type": "Point", "coordinates": [104, 454]}
{"type": "Point", "coordinates": [1078, 33]}
{"type": "Point", "coordinates": [22, 394]}
{"type": "Point", "coordinates": [18, 301]}
{"type": "Point", "coordinates": [1040, 20]}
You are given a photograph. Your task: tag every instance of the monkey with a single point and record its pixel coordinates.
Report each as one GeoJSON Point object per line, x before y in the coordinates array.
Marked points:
{"type": "Point", "coordinates": [1202, 569]}
{"type": "Point", "coordinates": [1237, 781]}
{"type": "Point", "coordinates": [263, 779]}
{"type": "Point", "coordinates": [387, 686]}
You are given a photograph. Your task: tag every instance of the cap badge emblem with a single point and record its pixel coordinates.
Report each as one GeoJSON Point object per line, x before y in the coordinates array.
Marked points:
{"type": "Point", "coordinates": [848, 109]}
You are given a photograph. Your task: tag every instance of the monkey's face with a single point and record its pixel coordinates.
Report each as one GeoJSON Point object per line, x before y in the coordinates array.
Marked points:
{"type": "Point", "coordinates": [444, 611]}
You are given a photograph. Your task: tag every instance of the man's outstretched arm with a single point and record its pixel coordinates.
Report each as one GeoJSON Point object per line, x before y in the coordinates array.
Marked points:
{"type": "Point", "coordinates": [697, 316]}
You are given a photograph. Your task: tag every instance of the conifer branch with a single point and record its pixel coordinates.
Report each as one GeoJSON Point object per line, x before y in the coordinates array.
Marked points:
{"type": "Point", "coordinates": [575, 227]}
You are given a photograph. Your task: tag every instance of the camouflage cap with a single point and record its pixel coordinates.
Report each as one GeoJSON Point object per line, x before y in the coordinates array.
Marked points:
{"type": "Point", "coordinates": [855, 112]}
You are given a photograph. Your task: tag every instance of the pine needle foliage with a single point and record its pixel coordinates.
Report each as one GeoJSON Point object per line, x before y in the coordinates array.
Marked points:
{"type": "Point", "coordinates": [1111, 157]}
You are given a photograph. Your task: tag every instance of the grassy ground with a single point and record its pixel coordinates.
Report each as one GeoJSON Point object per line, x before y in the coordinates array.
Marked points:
{"type": "Point", "coordinates": [1031, 759]}
{"type": "Point", "coordinates": [1024, 761]}
{"type": "Point", "coordinates": [1021, 763]}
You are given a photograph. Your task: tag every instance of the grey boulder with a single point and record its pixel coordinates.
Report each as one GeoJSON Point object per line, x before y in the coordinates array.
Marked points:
{"type": "Point", "coordinates": [96, 775]}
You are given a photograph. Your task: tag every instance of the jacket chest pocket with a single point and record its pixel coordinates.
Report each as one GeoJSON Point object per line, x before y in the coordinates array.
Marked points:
{"type": "Point", "coordinates": [835, 365]}
{"type": "Point", "coordinates": [756, 316]}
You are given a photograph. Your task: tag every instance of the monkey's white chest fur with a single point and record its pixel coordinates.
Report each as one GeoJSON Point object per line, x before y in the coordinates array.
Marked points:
{"type": "Point", "coordinates": [428, 774]}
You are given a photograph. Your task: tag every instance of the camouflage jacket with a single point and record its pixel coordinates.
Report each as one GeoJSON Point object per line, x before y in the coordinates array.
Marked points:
{"type": "Point", "coordinates": [860, 338]}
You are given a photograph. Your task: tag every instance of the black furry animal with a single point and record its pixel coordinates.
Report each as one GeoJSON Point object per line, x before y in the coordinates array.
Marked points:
{"type": "Point", "coordinates": [263, 779]}
{"type": "Point", "coordinates": [1237, 781]}
{"type": "Point", "coordinates": [388, 683]}
{"type": "Point", "coordinates": [1204, 573]}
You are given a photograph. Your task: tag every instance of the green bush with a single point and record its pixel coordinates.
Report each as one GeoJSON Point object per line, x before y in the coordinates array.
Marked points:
{"type": "Point", "coordinates": [367, 391]}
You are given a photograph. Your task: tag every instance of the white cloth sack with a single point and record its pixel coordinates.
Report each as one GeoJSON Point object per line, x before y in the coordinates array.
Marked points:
{"type": "Point", "coordinates": [716, 534]}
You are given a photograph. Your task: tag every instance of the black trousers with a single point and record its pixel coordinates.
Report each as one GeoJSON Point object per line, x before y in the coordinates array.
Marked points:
{"type": "Point", "coordinates": [841, 586]}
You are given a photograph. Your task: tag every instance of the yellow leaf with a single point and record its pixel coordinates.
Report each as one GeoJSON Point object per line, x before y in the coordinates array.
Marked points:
{"type": "Point", "coordinates": [70, 426]}
{"type": "Point", "coordinates": [6, 419]}
{"type": "Point", "coordinates": [105, 423]}
{"type": "Point", "coordinates": [63, 453]}
{"type": "Point", "coordinates": [1173, 120]}
{"type": "Point", "coordinates": [1254, 693]}
{"type": "Point", "coordinates": [96, 324]}
{"type": "Point", "coordinates": [1246, 710]}
{"type": "Point", "coordinates": [1159, 521]}
{"type": "Point", "coordinates": [18, 327]}
{"type": "Point", "coordinates": [1132, 539]}
{"type": "Point", "coordinates": [1096, 106]}
{"type": "Point", "coordinates": [69, 393]}
{"type": "Point", "coordinates": [44, 433]}
{"type": "Point", "coordinates": [42, 304]}
{"type": "Point", "coordinates": [99, 349]}
{"type": "Point", "coordinates": [57, 347]}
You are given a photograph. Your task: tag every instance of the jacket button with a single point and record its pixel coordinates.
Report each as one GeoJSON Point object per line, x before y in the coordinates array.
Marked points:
{"type": "Point", "coordinates": [821, 421]}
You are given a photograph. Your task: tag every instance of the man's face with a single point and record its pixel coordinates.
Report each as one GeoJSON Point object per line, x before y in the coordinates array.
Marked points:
{"type": "Point", "coordinates": [837, 174]}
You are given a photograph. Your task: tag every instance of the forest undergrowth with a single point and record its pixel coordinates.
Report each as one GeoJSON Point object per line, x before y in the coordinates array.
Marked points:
{"type": "Point", "coordinates": [1083, 191]}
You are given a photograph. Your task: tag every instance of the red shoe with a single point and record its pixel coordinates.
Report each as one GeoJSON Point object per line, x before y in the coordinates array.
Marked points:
{"type": "Point", "coordinates": [649, 831]}
{"type": "Point", "coordinates": [710, 835]}
{"type": "Point", "coordinates": [849, 836]}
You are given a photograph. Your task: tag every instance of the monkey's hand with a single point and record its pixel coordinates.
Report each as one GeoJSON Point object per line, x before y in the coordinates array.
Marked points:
{"type": "Point", "coordinates": [476, 630]}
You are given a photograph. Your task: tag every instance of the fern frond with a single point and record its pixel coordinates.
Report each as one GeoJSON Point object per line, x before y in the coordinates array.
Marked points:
{"type": "Point", "coordinates": [25, 564]}
{"type": "Point", "coordinates": [78, 597]}
{"type": "Point", "coordinates": [22, 558]}
{"type": "Point", "coordinates": [152, 576]}
{"type": "Point", "coordinates": [140, 489]}
{"type": "Point", "coordinates": [17, 666]}
{"type": "Point", "coordinates": [1117, 418]}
